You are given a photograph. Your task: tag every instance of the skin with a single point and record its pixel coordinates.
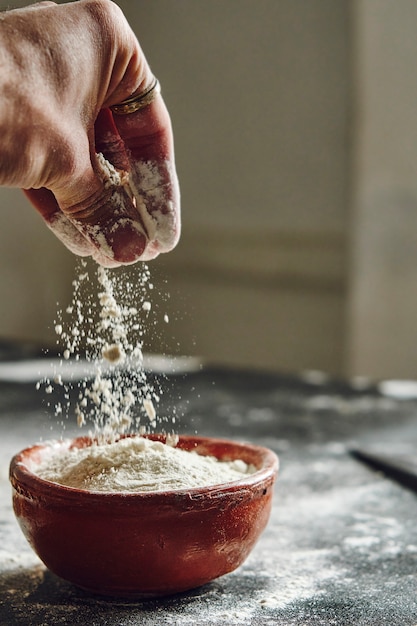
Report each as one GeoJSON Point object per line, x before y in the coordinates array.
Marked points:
{"type": "Point", "coordinates": [63, 66]}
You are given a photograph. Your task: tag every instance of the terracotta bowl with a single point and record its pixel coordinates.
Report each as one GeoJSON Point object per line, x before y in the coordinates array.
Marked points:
{"type": "Point", "coordinates": [137, 545]}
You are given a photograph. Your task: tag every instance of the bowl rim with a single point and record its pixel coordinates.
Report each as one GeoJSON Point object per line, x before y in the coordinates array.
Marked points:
{"type": "Point", "coordinates": [22, 477]}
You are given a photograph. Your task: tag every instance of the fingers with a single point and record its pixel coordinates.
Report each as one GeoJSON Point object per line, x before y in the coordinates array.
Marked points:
{"type": "Point", "coordinates": [133, 213]}
{"type": "Point", "coordinates": [125, 206]}
{"type": "Point", "coordinates": [44, 201]}
{"type": "Point", "coordinates": [147, 137]}
{"type": "Point", "coordinates": [94, 198]}
{"type": "Point", "coordinates": [103, 224]}
{"type": "Point", "coordinates": [106, 215]}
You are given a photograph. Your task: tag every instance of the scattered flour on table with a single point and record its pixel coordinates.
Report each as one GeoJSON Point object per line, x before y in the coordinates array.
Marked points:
{"type": "Point", "coordinates": [135, 464]}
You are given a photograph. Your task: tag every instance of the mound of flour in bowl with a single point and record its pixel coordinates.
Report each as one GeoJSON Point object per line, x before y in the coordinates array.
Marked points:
{"type": "Point", "coordinates": [135, 464]}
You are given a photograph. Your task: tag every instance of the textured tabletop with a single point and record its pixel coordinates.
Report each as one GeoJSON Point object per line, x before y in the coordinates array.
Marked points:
{"type": "Point", "coordinates": [341, 544]}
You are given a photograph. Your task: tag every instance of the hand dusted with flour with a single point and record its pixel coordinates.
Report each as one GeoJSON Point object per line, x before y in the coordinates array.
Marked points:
{"type": "Point", "coordinates": [105, 184]}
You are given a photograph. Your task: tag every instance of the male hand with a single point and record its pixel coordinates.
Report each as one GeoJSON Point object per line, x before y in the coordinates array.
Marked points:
{"type": "Point", "coordinates": [104, 183]}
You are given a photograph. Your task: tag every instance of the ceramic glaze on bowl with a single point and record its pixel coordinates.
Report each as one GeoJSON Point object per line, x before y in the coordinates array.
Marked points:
{"type": "Point", "coordinates": [145, 544]}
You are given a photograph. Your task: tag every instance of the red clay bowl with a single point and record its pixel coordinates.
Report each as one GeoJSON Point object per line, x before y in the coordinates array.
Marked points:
{"type": "Point", "coordinates": [136, 545]}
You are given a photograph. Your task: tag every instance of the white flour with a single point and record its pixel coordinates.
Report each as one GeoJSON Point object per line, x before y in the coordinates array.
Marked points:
{"type": "Point", "coordinates": [135, 464]}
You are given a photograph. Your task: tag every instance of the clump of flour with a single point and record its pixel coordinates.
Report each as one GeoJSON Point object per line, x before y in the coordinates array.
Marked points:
{"type": "Point", "coordinates": [135, 464]}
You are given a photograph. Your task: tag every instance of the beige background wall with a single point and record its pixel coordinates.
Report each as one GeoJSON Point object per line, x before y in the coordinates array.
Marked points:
{"type": "Point", "coordinates": [294, 123]}
{"type": "Point", "coordinates": [259, 97]}
{"type": "Point", "coordinates": [382, 308]}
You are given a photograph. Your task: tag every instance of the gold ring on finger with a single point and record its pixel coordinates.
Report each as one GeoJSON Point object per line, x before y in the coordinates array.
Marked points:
{"type": "Point", "coordinates": [138, 101]}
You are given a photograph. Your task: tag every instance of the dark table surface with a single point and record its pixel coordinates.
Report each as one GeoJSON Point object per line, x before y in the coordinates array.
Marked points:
{"type": "Point", "coordinates": [341, 544]}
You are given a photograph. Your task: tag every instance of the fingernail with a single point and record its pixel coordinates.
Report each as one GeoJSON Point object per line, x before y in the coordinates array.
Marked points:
{"type": "Point", "coordinates": [126, 242]}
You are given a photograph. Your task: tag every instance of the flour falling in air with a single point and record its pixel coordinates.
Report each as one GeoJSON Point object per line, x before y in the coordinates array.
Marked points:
{"type": "Point", "coordinates": [105, 325]}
